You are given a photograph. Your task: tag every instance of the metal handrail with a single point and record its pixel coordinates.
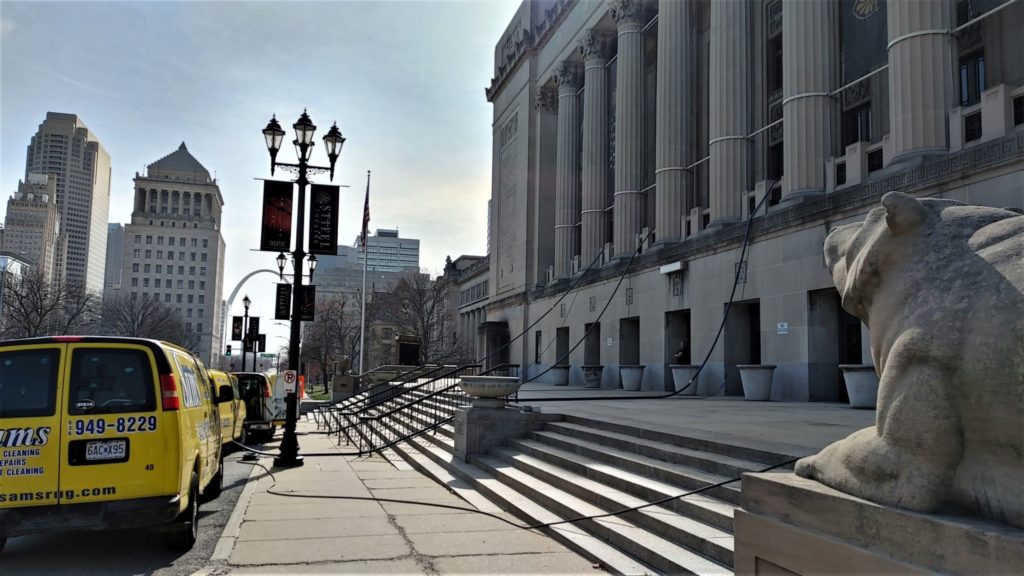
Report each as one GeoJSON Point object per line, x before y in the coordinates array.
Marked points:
{"type": "Point", "coordinates": [364, 396]}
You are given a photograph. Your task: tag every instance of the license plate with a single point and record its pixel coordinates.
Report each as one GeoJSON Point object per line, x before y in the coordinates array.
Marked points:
{"type": "Point", "coordinates": [106, 450]}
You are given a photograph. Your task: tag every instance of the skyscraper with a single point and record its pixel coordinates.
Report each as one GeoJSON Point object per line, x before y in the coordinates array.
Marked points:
{"type": "Point", "coordinates": [67, 149]}
{"type": "Point", "coordinates": [32, 224]}
{"type": "Point", "coordinates": [173, 248]}
{"type": "Point", "coordinates": [115, 257]}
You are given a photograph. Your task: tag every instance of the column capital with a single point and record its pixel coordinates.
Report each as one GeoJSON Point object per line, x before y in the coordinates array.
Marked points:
{"type": "Point", "coordinates": [546, 100]}
{"type": "Point", "coordinates": [630, 15]}
{"type": "Point", "coordinates": [596, 46]}
{"type": "Point", "coordinates": [569, 77]}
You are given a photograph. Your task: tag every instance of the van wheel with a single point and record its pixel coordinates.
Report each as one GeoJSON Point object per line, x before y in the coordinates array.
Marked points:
{"type": "Point", "coordinates": [185, 528]}
{"type": "Point", "coordinates": [216, 485]}
{"type": "Point", "coordinates": [243, 438]}
{"type": "Point", "coordinates": [3, 541]}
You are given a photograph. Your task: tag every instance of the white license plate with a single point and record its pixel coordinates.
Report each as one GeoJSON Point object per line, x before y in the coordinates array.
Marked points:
{"type": "Point", "coordinates": [106, 449]}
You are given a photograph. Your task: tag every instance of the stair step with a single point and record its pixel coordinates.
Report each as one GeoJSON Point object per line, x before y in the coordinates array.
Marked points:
{"type": "Point", "coordinates": [701, 537]}
{"type": "Point", "coordinates": [651, 549]}
{"type": "Point", "coordinates": [712, 462]}
{"type": "Point", "coordinates": [595, 460]}
{"type": "Point", "coordinates": [530, 512]}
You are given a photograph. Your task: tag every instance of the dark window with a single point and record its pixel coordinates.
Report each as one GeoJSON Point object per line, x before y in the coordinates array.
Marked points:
{"type": "Point", "coordinates": [775, 160]}
{"type": "Point", "coordinates": [107, 381]}
{"type": "Point", "coordinates": [972, 127]}
{"type": "Point", "coordinates": [840, 173]}
{"type": "Point", "coordinates": [875, 160]}
{"type": "Point", "coordinates": [1018, 110]}
{"type": "Point", "coordinates": [28, 382]}
{"type": "Point", "coordinates": [537, 347]}
{"type": "Point", "coordinates": [972, 79]}
{"type": "Point", "coordinates": [857, 125]}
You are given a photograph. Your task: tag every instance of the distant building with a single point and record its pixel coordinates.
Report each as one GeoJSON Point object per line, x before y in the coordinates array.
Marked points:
{"type": "Point", "coordinates": [173, 247]}
{"type": "Point", "coordinates": [115, 257]}
{"type": "Point", "coordinates": [11, 265]}
{"type": "Point", "coordinates": [32, 225]}
{"type": "Point", "coordinates": [387, 252]}
{"type": "Point", "coordinates": [67, 149]}
{"type": "Point", "coordinates": [467, 300]}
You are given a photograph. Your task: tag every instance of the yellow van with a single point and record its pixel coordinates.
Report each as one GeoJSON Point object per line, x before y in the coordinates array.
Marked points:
{"type": "Point", "coordinates": [232, 408]}
{"type": "Point", "coordinates": [102, 432]}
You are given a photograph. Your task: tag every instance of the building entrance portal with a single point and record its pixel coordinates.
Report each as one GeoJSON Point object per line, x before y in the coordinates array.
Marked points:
{"type": "Point", "coordinates": [629, 341]}
{"type": "Point", "coordinates": [834, 338]}
{"type": "Point", "coordinates": [562, 346]}
{"type": "Point", "coordinates": [677, 341]}
{"type": "Point", "coordinates": [592, 346]}
{"type": "Point", "coordinates": [742, 342]}
{"type": "Point", "coordinates": [496, 339]}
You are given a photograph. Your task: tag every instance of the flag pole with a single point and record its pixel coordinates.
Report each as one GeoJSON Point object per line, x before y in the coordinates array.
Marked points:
{"type": "Point", "coordinates": [366, 257]}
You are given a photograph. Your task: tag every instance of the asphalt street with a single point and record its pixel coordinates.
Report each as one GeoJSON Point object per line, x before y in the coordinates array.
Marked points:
{"type": "Point", "coordinates": [127, 552]}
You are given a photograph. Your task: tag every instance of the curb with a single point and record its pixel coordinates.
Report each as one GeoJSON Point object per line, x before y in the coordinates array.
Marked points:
{"type": "Point", "coordinates": [226, 543]}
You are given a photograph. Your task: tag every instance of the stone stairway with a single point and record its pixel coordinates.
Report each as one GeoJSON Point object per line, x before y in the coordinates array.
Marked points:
{"type": "Point", "coordinates": [580, 467]}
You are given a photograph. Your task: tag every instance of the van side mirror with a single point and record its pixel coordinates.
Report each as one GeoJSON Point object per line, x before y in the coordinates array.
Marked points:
{"type": "Point", "coordinates": [225, 394]}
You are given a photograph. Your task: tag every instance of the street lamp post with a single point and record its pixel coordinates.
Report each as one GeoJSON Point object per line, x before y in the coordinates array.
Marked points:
{"type": "Point", "coordinates": [304, 128]}
{"type": "Point", "coordinates": [245, 328]}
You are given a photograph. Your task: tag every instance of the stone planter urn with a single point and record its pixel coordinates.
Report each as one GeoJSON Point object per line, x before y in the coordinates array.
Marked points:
{"type": "Point", "coordinates": [560, 375]}
{"type": "Point", "coordinates": [681, 376]}
{"type": "Point", "coordinates": [861, 384]}
{"type": "Point", "coordinates": [757, 381]}
{"type": "Point", "coordinates": [489, 391]}
{"type": "Point", "coordinates": [592, 375]}
{"type": "Point", "coordinates": [632, 376]}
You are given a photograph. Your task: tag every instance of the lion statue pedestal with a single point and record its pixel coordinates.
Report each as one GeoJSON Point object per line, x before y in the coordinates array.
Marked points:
{"type": "Point", "coordinates": [937, 485]}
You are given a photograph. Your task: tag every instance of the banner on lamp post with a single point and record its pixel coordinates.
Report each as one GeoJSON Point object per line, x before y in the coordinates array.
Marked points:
{"type": "Point", "coordinates": [261, 343]}
{"type": "Point", "coordinates": [283, 302]}
{"type": "Point", "coordinates": [236, 328]}
{"type": "Point", "coordinates": [254, 324]}
{"type": "Point", "coordinates": [276, 234]}
{"type": "Point", "coordinates": [323, 219]}
{"type": "Point", "coordinates": [308, 303]}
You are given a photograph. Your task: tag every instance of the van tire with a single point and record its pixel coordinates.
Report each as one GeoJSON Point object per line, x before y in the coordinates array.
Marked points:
{"type": "Point", "coordinates": [216, 485]}
{"type": "Point", "coordinates": [185, 528]}
{"type": "Point", "coordinates": [3, 541]}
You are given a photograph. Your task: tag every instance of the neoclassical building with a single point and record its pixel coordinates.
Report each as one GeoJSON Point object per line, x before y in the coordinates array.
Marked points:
{"type": "Point", "coordinates": [624, 124]}
{"type": "Point", "coordinates": [173, 247]}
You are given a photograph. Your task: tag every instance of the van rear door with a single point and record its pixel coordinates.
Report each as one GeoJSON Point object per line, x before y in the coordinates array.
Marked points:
{"type": "Point", "coordinates": [30, 447]}
{"type": "Point", "coordinates": [116, 446]}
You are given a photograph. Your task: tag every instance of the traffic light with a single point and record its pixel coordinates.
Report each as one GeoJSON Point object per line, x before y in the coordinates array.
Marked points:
{"type": "Point", "coordinates": [228, 351]}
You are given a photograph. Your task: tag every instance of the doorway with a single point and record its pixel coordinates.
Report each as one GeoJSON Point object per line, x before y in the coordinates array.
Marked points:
{"type": "Point", "coordinates": [629, 341]}
{"type": "Point", "coordinates": [834, 338]}
{"type": "Point", "coordinates": [677, 341]}
{"type": "Point", "coordinates": [742, 342]}
{"type": "Point", "coordinates": [562, 346]}
{"type": "Point", "coordinates": [592, 345]}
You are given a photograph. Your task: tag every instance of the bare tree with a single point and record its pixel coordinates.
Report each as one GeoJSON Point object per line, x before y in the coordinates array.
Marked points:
{"type": "Point", "coordinates": [144, 317]}
{"type": "Point", "coordinates": [423, 312]}
{"type": "Point", "coordinates": [323, 341]}
{"type": "Point", "coordinates": [34, 307]}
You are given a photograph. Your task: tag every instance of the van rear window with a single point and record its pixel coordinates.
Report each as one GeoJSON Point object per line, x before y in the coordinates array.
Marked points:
{"type": "Point", "coordinates": [251, 386]}
{"type": "Point", "coordinates": [28, 382]}
{"type": "Point", "coordinates": [111, 381]}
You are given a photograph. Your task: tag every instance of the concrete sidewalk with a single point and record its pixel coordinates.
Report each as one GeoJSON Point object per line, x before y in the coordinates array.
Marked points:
{"type": "Point", "coordinates": [274, 534]}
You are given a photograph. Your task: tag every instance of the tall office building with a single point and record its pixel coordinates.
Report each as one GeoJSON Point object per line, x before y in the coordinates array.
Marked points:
{"type": "Point", "coordinates": [32, 227]}
{"type": "Point", "coordinates": [173, 247]}
{"type": "Point", "coordinates": [115, 258]}
{"type": "Point", "coordinates": [67, 149]}
{"type": "Point", "coordinates": [625, 127]}
{"type": "Point", "coordinates": [387, 252]}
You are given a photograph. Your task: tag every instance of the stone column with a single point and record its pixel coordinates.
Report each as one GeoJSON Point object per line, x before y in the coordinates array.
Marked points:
{"type": "Point", "coordinates": [674, 138]}
{"type": "Point", "coordinates": [919, 76]}
{"type": "Point", "coordinates": [728, 109]}
{"type": "Point", "coordinates": [595, 48]}
{"type": "Point", "coordinates": [808, 69]}
{"type": "Point", "coordinates": [569, 77]}
{"type": "Point", "coordinates": [630, 209]}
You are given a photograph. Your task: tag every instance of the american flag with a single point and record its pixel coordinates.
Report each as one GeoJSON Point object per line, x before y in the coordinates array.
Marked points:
{"type": "Point", "coordinates": [366, 214]}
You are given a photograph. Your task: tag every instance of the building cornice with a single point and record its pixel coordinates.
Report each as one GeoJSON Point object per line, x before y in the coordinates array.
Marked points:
{"type": "Point", "coordinates": [517, 45]}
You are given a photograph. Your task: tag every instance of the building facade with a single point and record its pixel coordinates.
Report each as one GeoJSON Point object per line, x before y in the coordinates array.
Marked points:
{"type": "Point", "coordinates": [387, 252]}
{"type": "Point", "coordinates": [11, 266]}
{"type": "Point", "coordinates": [115, 258]}
{"type": "Point", "coordinates": [467, 281]}
{"type": "Point", "coordinates": [65, 148]}
{"type": "Point", "coordinates": [635, 139]}
{"type": "Point", "coordinates": [32, 224]}
{"type": "Point", "coordinates": [173, 247]}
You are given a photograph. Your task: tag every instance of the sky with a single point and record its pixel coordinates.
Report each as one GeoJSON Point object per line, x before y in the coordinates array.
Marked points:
{"type": "Point", "coordinates": [403, 80]}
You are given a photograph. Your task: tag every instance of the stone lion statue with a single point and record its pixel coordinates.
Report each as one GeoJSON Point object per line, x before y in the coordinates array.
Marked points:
{"type": "Point", "coordinates": [940, 284]}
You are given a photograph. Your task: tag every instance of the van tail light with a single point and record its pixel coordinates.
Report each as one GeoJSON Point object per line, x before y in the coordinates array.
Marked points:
{"type": "Point", "coordinates": [266, 390]}
{"type": "Point", "coordinates": [169, 388]}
